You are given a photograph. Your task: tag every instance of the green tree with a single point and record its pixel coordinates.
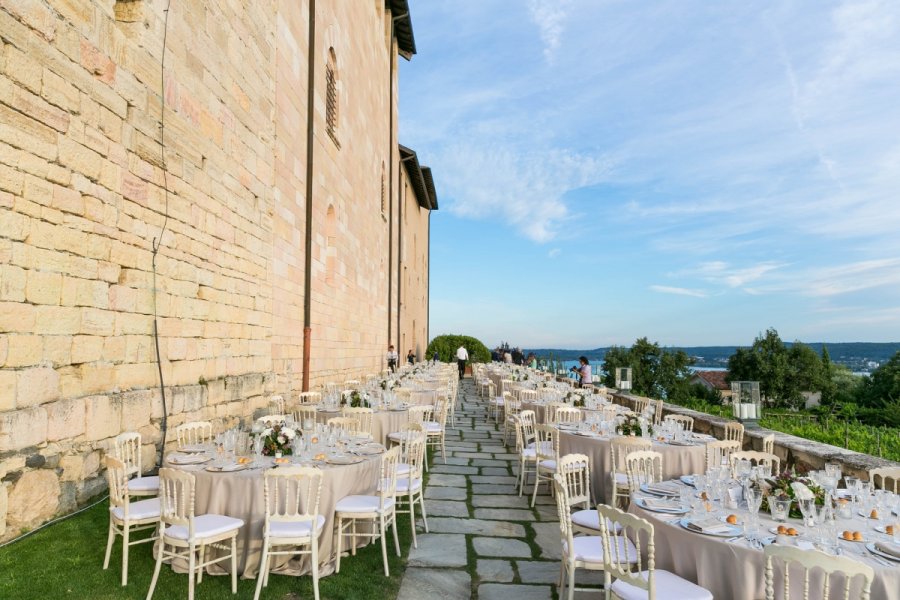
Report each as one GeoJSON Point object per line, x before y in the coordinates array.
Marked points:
{"type": "Point", "coordinates": [615, 357]}
{"type": "Point", "coordinates": [447, 344]}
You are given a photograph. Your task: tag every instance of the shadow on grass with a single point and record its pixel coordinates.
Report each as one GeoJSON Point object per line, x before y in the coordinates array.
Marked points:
{"type": "Point", "coordinates": [65, 560]}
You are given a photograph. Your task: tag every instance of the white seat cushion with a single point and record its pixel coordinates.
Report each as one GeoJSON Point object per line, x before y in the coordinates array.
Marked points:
{"type": "Point", "coordinates": [144, 484]}
{"type": "Point", "coordinates": [590, 519]}
{"type": "Point", "coordinates": [403, 469]}
{"type": "Point", "coordinates": [668, 585]}
{"type": "Point", "coordinates": [622, 479]}
{"type": "Point", "coordinates": [549, 465]}
{"type": "Point", "coordinates": [206, 526]}
{"type": "Point", "coordinates": [403, 486]}
{"type": "Point", "coordinates": [142, 509]}
{"type": "Point", "coordinates": [361, 504]}
{"type": "Point", "coordinates": [432, 427]}
{"type": "Point", "coordinates": [287, 529]}
{"type": "Point", "coordinates": [589, 548]}
{"type": "Point", "coordinates": [529, 453]}
{"type": "Point", "coordinates": [498, 401]}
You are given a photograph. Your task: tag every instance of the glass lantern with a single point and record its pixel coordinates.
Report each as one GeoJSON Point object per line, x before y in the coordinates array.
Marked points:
{"type": "Point", "coordinates": [623, 378]}
{"type": "Point", "coordinates": [745, 402]}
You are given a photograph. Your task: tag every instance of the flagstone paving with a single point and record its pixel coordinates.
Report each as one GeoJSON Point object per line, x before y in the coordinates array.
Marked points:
{"type": "Point", "coordinates": [485, 541]}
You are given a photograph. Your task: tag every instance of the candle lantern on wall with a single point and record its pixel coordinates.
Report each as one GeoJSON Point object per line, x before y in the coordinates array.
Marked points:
{"type": "Point", "coordinates": [745, 402]}
{"type": "Point", "coordinates": [623, 378]}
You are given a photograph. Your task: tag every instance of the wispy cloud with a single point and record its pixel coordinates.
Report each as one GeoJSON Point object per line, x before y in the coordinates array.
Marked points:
{"type": "Point", "coordinates": [678, 291]}
{"type": "Point", "coordinates": [525, 189]}
{"type": "Point", "coordinates": [550, 17]}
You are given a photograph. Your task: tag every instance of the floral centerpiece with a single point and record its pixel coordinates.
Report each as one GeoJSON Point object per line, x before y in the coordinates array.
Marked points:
{"type": "Point", "coordinates": [632, 426]}
{"type": "Point", "coordinates": [355, 399]}
{"type": "Point", "coordinates": [787, 485]}
{"type": "Point", "coordinates": [277, 439]}
{"type": "Point", "coordinates": [578, 401]}
{"type": "Point", "coordinates": [389, 384]}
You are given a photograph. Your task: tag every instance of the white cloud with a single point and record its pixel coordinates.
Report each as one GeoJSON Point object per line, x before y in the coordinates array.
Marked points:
{"type": "Point", "coordinates": [722, 274]}
{"type": "Point", "coordinates": [550, 17]}
{"type": "Point", "coordinates": [524, 188]}
{"type": "Point", "coordinates": [678, 291]}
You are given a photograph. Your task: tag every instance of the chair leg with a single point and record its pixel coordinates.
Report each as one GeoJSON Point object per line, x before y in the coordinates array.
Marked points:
{"type": "Point", "coordinates": [202, 559]}
{"type": "Point", "coordinates": [192, 566]}
{"type": "Point", "coordinates": [412, 519]}
{"type": "Point", "coordinates": [337, 544]}
{"type": "Point", "coordinates": [263, 569]}
{"type": "Point", "coordinates": [537, 481]}
{"type": "Point", "coordinates": [159, 559]}
{"type": "Point", "coordinates": [384, 545]}
{"type": "Point", "coordinates": [125, 538]}
{"type": "Point", "coordinates": [234, 563]}
{"type": "Point", "coordinates": [443, 449]}
{"type": "Point", "coordinates": [422, 507]}
{"type": "Point", "coordinates": [314, 564]}
{"type": "Point", "coordinates": [572, 583]}
{"type": "Point", "coordinates": [394, 528]}
{"type": "Point", "coordinates": [109, 544]}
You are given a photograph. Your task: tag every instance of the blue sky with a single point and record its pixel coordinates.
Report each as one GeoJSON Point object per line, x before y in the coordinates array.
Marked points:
{"type": "Point", "coordinates": [690, 171]}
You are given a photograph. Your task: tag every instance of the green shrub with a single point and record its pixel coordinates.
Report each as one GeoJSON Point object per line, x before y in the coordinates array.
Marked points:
{"type": "Point", "coordinates": [446, 346]}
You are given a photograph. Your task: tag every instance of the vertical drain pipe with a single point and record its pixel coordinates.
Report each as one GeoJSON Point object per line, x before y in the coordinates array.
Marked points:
{"type": "Point", "coordinates": [310, 116]}
{"type": "Point", "coordinates": [390, 297]}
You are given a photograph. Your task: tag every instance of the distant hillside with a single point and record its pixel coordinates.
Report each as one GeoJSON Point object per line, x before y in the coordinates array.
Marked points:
{"type": "Point", "coordinates": [861, 357]}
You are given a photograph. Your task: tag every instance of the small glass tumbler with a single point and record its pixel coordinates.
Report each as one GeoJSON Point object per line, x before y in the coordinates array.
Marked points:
{"type": "Point", "coordinates": [779, 509]}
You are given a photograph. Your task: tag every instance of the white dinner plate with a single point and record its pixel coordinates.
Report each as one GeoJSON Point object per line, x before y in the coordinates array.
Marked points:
{"type": "Point", "coordinates": [192, 448]}
{"type": "Point", "coordinates": [666, 511]}
{"type": "Point", "coordinates": [343, 460]}
{"type": "Point", "coordinates": [645, 487]}
{"type": "Point", "coordinates": [733, 530]}
{"type": "Point", "coordinates": [687, 480]}
{"type": "Point", "coordinates": [229, 468]}
{"type": "Point", "coordinates": [188, 459]}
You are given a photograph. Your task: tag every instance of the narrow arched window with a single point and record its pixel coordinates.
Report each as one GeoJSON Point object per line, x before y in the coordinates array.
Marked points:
{"type": "Point", "coordinates": [331, 97]}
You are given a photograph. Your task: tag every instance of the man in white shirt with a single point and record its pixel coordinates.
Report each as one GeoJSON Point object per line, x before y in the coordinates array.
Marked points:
{"type": "Point", "coordinates": [461, 357]}
{"type": "Point", "coordinates": [392, 358]}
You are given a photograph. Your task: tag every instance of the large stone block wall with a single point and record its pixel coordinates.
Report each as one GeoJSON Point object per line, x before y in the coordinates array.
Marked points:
{"type": "Point", "coordinates": [83, 201]}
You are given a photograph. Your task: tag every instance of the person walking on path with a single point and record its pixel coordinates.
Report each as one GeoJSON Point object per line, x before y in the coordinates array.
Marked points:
{"type": "Point", "coordinates": [462, 356]}
{"type": "Point", "coordinates": [392, 358]}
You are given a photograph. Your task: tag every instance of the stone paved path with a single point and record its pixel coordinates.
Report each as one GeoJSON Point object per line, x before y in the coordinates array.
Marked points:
{"type": "Point", "coordinates": [485, 541]}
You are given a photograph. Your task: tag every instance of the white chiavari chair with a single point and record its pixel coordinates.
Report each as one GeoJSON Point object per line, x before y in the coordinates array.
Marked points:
{"type": "Point", "coordinates": [643, 467]}
{"type": "Point", "coordinates": [735, 431]}
{"type": "Point", "coordinates": [769, 443]}
{"type": "Point", "coordinates": [364, 417]}
{"type": "Point", "coordinates": [546, 447]}
{"type": "Point", "coordinates": [718, 453]}
{"type": "Point", "coordinates": [378, 509]}
{"type": "Point", "coordinates": [193, 433]}
{"type": "Point", "coordinates": [568, 415]}
{"type": "Point", "coordinates": [637, 578]}
{"type": "Point", "coordinates": [128, 450]}
{"type": "Point", "coordinates": [409, 484]}
{"type": "Point", "coordinates": [125, 516]}
{"type": "Point", "coordinates": [309, 397]}
{"type": "Point", "coordinates": [525, 441]}
{"type": "Point", "coordinates": [292, 519]}
{"type": "Point", "coordinates": [620, 447]}
{"type": "Point", "coordinates": [686, 422]}
{"type": "Point", "coordinates": [755, 458]}
{"type": "Point", "coordinates": [887, 477]}
{"type": "Point", "coordinates": [271, 420]}
{"type": "Point", "coordinates": [183, 536]}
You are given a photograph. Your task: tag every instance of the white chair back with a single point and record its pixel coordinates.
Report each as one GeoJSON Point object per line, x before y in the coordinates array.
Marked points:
{"type": "Point", "coordinates": [643, 466]}
{"type": "Point", "coordinates": [364, 417]}
{"type": "Point", "coordinates": [568, 414]}
{"type": "Point", "coordinates": [117, 478]}
{"type": "Point", "coordinates": [718, 453]}
{"type": "Point", "coordinates": [276, 405]}
{"type": "Point", "coordinates": [769, 443]}
{"type": "Point", "coordinates": [618, 563]}
{"type": "Point", "coordinates": [303, 413]}
{"type": "Point", "coordinates": [176, 500]}
{"type": "Point", "coordinates": [292, 495]}
{"type": "Point", "coordinates": [756, 458]}
{"type": "Point", "coordinates": [195, 432]}
{"type": "Point", "coordinates": [271, 420]}
{"type": "Point", "coordinates": [348, 425]}
{"type": "Point", "coordinates": [686, 422]}
{"type": "Point", "coordinates": [546, 443]}
{"type": "Point", "coordinates": [815, 585]}
{"type": "Point", "coordinates": [309, 397]}
{"type": "Point", "coordinates": [387, 483]}
{"type": "Point", "coordinates": [735, 431]}
{"type": "Point", "coordinates": [128, 450]}
{"type": "Point", "coordinates": [575, 471]}
{"type": "Point", "coordinates": [420, 414]}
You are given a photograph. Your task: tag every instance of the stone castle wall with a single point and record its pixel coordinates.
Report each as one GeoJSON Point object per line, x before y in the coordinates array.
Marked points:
{"type": "Point", "coordinates": [83, 201]}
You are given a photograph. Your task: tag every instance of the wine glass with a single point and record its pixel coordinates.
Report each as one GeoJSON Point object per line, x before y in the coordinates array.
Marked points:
{"type": "Point", "coordinates": [754, 497]}
{"type": "Point", "coordinates": [808, 509]}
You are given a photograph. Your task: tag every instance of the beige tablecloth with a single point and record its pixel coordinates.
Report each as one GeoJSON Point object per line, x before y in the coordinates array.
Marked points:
{"type": "Point", "coordinates": [734, 571]}
{"type": "Point", "coordinates": [677, 460]}
{"type": "Point", "coordinates": [240, 494]}
{"type": "Point", "coordinates": [383, 422]}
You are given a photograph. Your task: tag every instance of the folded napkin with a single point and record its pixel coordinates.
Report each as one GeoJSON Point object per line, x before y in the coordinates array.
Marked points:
{"type": "Point", "coordinates": [661, 504]}
{"type": "Point", "coordinates": [801, 492]}
{"type": "Point", "coordinates": [888, 548]}
{"type": "Point", "coordinates": [709, 525]}
{"type": "Point", "coordinates": [666, 488]}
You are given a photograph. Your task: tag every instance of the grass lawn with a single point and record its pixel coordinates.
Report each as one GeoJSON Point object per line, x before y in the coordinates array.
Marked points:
{"type": "Point", "coordinates": [65, 560]}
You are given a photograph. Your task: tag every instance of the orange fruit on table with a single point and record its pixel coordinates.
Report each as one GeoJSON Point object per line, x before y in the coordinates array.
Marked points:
{"type": "Point", "coordinates": [857, 536]}
{"type": "Point", "coordinates": [873, 514]}
{"type": "Point", "coordinates": [847, 535]}
{"type": "Point", "coordinates": [792, 531]}
{"type": "Point", "coordinates": [731, 519]}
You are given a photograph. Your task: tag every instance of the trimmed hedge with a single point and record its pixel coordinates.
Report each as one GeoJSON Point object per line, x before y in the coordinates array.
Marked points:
{"type": "Point", "coordinates": [446, 346]}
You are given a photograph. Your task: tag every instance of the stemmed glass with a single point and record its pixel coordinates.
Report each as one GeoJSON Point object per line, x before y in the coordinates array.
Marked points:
{"type": "Point", "coordinates": [754, 497]}
{"type": "Point", "coordinates": [808, 509]}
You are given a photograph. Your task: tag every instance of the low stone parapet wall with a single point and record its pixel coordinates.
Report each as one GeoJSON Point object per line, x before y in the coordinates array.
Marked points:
{"type": "Point", "coordinates": [792, 450]}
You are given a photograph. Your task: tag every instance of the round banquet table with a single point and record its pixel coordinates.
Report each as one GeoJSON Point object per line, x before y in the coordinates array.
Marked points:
{"type": "Point", "coordinates": [676, 460]}
{"type": "Point", "coordinates": [239, 494]}
{"type": "Point", "coordinates": [540, 410]}
{"type": "Point", "coordinates": [735, 571]}
{"type": "Point", "coordinates": [384, 422]}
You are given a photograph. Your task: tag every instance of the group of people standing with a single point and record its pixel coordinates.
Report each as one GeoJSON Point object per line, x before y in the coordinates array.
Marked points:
{"type": "Point", "coordinates": [462, 356]}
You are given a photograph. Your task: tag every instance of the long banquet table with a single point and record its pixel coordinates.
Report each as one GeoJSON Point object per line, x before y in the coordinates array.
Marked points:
{"type": "Point", "coordinates": [240, 494]}
{"type": "Point", "coordinates": [677, 460]}
{"type": "Point", "coordinates": [734, 570]}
